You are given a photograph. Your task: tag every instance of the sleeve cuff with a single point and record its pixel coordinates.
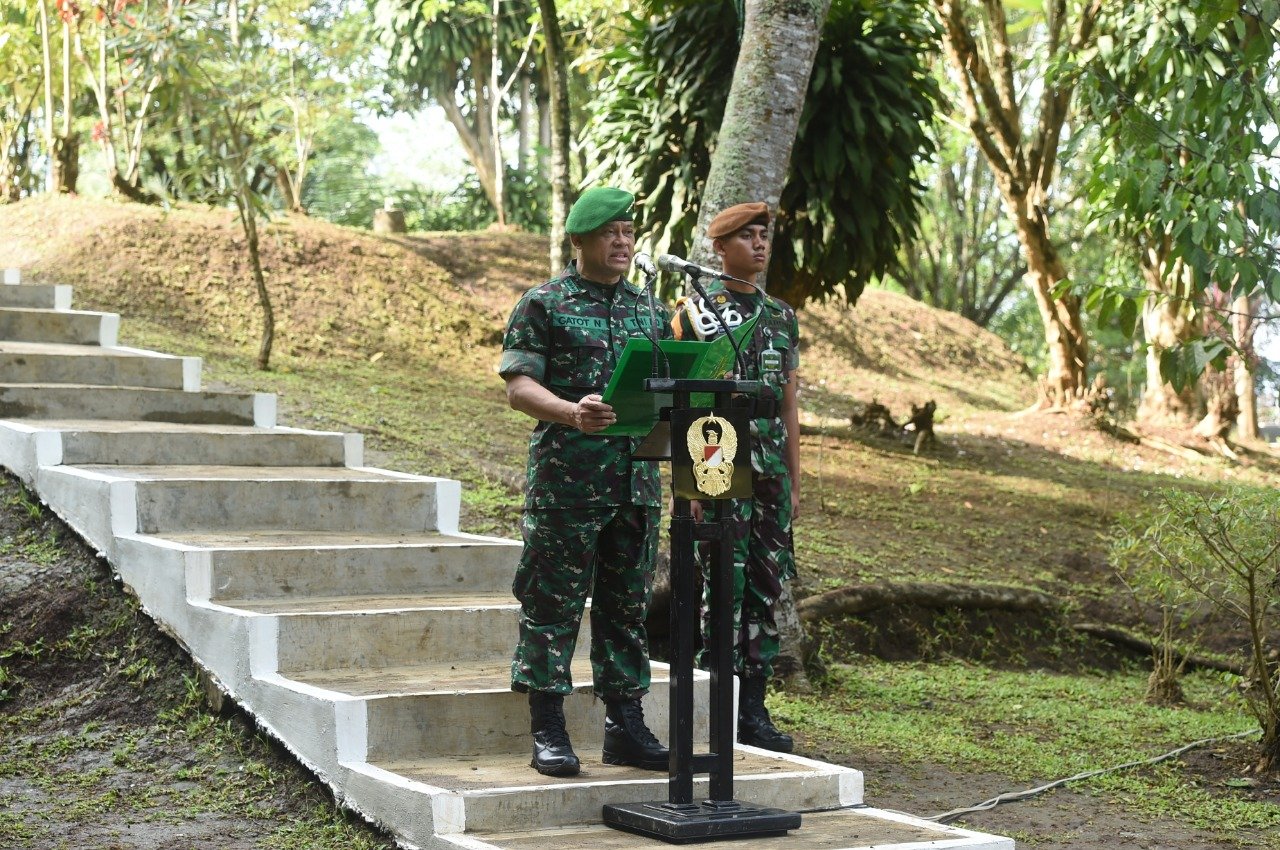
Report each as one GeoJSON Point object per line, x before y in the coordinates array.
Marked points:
{"type": "Point", "coordinates": [527, 363]}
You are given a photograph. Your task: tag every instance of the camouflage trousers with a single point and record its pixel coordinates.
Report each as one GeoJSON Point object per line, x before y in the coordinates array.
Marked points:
{"type": "Point", "coordinates": [606, 554]}
{"type": "Point", "coordinates": [762, 560]}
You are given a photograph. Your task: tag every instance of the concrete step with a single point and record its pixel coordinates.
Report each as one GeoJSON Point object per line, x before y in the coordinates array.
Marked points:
{"type": "Point", "coordinates": [131, 443]}
{"type": "Point", "coordinates": [852, 828]}
{"type": "Point", "coordinates": [73, 327]}
{"type": "Point", "coordinates": [501, 793]}
{"type": "Point", "coordinates": [480, 630]}
{"type": "Point", "coordinates": [54, 363]}
{"type": "Point", "coordinates": [407, 707]}
{"type": "Point", "coordinates": [298, 499]}
{"type": "Point", "coordinates": [367, 603]}
{"type": "Point", "coordinates": [55, 296]}
{"type": "Point", "coordinates": [304, 573]}
{"type": "Point", "coordinates": [73, 401]}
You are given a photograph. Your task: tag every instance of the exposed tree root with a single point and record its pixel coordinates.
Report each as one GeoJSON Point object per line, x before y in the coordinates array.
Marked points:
{"type": "Point", "coordinates": [861, 598]}
{"type": "Point", "coordinates": [1119, 637]}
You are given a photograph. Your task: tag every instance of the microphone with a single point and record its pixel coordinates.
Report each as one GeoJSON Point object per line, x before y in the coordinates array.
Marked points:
{"type": "Point", "coordinates": [645, 264]}
{"type": "Point", "coordinates": [677, 265]}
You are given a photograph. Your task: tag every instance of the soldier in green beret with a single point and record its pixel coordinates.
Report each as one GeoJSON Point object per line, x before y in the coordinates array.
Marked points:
{"type": "Point", "coordinates": [762, 558]}
{"type": "Point", "coordinates": [590, 523]}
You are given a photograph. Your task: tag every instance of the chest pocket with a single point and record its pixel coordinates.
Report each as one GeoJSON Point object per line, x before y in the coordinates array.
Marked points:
{"type": "Point", "coordinates": [580, 357]}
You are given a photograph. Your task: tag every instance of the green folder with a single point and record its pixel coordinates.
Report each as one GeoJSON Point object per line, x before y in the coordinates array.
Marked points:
{"type": "Point", "coordinates": [637, 408]}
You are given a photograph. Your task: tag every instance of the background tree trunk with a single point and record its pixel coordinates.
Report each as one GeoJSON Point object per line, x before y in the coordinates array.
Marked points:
{"type": "Point", "coordinates": [770, 80]}
{"type": "Point", "coordinates": [982, 62]}
{"type": "Point", "coordinates": [1242, 329]}
{"type": "Point", "coordinates": [1166, 323]}
{"type": "Point", "coordinates": [558, 87]}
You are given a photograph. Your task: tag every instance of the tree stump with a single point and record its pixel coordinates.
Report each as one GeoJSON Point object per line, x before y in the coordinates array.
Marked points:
{"type": "Point", "coordinates": [389, 219]}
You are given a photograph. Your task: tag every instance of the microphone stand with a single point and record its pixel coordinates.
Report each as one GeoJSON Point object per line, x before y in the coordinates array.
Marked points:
{"type": "Point", "coordinates": [739, 363]}
{"type": "Point", "coordinates": [654, 337]}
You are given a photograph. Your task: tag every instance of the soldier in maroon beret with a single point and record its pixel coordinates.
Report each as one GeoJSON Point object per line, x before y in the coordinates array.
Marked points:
{"type": "Point", "coordinates": [763, 556]}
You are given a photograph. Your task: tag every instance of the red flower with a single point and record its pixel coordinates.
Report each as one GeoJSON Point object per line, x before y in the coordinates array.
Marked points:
{"type": "Point", "coordinates": [99, 132]}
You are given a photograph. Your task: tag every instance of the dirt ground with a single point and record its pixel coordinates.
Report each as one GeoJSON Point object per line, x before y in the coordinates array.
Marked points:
{"type": "Point", "coordinates": [104, 741]}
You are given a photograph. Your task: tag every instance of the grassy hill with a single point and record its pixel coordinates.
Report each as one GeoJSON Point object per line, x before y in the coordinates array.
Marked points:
{"type": "Point", "coordinates": [398, 338]}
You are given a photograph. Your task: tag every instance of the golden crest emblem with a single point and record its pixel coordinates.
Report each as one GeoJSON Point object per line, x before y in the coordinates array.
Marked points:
{"type": "Point", "coordinates": [712, 451]}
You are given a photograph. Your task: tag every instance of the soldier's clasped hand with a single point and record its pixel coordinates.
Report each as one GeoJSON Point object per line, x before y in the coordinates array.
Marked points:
{"type": "Point", "coordinates": [591, 415]}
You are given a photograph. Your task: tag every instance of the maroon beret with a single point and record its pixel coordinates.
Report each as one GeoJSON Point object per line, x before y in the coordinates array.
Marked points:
{"type": "Point", "coordinates": [737, 217]}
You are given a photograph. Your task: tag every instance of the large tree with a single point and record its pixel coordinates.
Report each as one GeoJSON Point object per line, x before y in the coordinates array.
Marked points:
{"type": "Point", "coordinates": [851, 196]}
{"type": "Point", "coordinates": [461, 55]}
{"type": "Point", "coordinates": [766, 99]}
{"type": "Point", "coordinates": [1183, 95]}
{"type": "Point", "coordinates": [1019, 127]}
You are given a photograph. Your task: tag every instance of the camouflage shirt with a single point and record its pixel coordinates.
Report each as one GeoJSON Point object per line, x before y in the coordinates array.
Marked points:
{"type": "Point", "coordinates": [778, 330]}
{"type": "Point", "coordinates": [567, 334]}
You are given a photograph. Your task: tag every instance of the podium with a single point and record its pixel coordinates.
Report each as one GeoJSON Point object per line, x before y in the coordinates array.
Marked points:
{"type": "Point", "coordinates": [708, 442]}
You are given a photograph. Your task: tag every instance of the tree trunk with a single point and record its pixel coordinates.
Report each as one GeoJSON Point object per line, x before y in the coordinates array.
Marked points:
{"type": "Point", "coordinates": [290, 191]}
{"type": "Point", "coordinates": [522, 126]}
{"type": "Point", "coordinates": [478, 145]}
{"type": "Point", "coordinates": [1066, 381]}
{"type": "Point", "coordinates": [249, 221]}
{"type": "Point", "coordinates": [1242, 329]}
{"type": "Point", "coordinates": [495, 108]}
{"type": "Point", "coordinates": [1166, 323]}
{"type": "Point", "coordinates": [1024, 167]}
{"type": "Point", "coordinates": [66, 164]}
{"type": "Point", "coordinates": [1221, 405]}
{"type": "Point", "coordinates": [770, 80]}
{"type": "Point", "coordinates": [543, 99]}
{"type": "Point", "coordinates": [54, 179]}
{"type": "Point", "coordinates": [558, 87]}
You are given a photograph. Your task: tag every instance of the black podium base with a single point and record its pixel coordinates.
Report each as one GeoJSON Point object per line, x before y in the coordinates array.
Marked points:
{"type": "Point", "coordinates": [710, 820]}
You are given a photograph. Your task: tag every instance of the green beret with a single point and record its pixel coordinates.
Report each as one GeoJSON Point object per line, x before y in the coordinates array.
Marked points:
{"type": "Point", "coordinates": [599, 206]}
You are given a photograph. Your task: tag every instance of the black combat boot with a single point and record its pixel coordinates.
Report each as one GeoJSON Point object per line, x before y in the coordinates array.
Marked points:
{"type": "Point", "coordinates": [627, 740]}
{"type": "Point", "coordinates": [754, 725]}
{"type": "Point", "coordinates": [552, 753]}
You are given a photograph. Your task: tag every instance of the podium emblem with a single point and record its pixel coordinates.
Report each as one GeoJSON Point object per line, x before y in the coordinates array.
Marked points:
{"type": "Point", "coordinates": [713, 444]}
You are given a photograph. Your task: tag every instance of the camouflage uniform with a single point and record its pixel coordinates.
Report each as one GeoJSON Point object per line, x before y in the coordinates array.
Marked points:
{"type": "Point", "coordinates": [590, 523]}
{"type": "Point", "coordinates": [763, 557]}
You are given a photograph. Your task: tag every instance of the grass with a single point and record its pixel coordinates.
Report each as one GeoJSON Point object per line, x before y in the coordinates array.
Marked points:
{"type": "Point", "coordinates": [1033, 727]}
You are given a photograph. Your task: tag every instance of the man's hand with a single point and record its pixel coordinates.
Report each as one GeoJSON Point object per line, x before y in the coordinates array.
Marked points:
{"type": "Point", "coordinates": [591, 415]}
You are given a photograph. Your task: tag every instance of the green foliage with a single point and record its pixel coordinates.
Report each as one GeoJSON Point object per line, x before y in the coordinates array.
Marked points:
{"type": "Point", "coordinates": [851, 196]}
{"type": "Point", "coordinates": [1220, 550]}
{"type": "Point", "coordinates": [1182, 93]}
{"type": "Point", "coordinates": [657, 113]}
{"type": "Point", "coordinates": [21, 78]}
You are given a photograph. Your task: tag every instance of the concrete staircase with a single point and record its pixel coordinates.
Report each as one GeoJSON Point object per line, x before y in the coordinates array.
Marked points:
{"type": "Point", "coordinates": [340, 605]}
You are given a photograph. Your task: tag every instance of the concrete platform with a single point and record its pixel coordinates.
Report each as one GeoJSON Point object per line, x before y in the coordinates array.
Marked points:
{"type": "Point", "coordinates": [853, 828]}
